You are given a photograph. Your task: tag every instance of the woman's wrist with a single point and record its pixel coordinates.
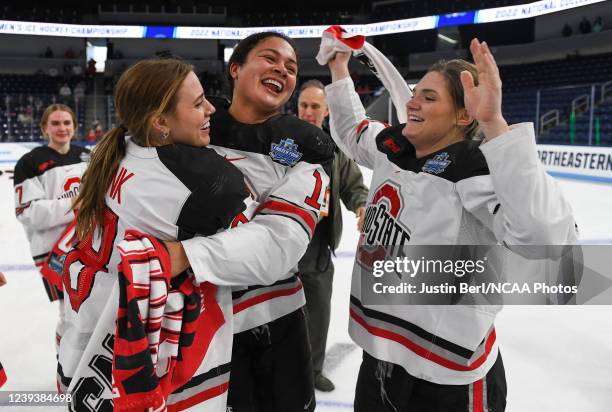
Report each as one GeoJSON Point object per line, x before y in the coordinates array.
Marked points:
{"type": "Point", "coordinates": [494, 128]}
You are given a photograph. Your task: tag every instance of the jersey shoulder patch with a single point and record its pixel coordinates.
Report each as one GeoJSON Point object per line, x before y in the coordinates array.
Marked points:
{"type": "Point", "coordinates": [285, 138]}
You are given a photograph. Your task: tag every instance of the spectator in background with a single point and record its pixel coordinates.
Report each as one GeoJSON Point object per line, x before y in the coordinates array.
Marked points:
{"type": "Point", "coordinates": [48, 53]}
{"type": "Point", "coordinates": [585, 26]}
{"type": "Point", "coordinates": [567, 30]}
{"type": "Point", "coordinates": [91, 136]}
{"type": "Point", "coordinates": [99, 132]}
{"type": "Point", "coordinates": [25, 116]}
{"type": "Point", "coordinates": [598, 24]}
{"type": "Point", "coordinates": [53, 71]}
{"type": "Point", "coordinates": [316, 269]}
{"type": "Point", "coordinates": [91, 67]}
{"type": "Point", "coordinates": [65, 92]}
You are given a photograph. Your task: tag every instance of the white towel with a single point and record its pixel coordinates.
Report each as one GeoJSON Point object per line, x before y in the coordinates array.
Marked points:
{"type": "Point", "coordinates": [336, 39]}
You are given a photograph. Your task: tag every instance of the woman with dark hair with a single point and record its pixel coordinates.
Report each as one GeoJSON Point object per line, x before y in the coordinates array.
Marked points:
{"type": "Point", "coordinates": [435, 184]}
{"type": "Point", "coordinates": [46, 182]}
{"type": "Point", "coordinates": [286, 163]}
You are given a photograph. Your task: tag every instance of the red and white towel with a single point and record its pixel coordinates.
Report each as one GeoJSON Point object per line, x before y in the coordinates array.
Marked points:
{"type": "Point", "coordinates": [336, 39]}
{"type": "Point", "coordinates": [164, 327]}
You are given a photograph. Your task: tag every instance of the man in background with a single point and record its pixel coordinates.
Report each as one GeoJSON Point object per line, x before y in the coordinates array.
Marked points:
{"type": "Point", "coordinates": [316, 269]}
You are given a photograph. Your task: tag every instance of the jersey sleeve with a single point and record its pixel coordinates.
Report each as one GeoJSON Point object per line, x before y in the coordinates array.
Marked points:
{"type": "Point", "coordinates": [518, 200]}
{"type": "Point", "coordinates": [215, 202]}
{"type": "Point", "coordinates": [32, 208]}
{"type": "Point", "coordinates": [352, 131]}
{"type": "Point", "coordinates": [261, 251]}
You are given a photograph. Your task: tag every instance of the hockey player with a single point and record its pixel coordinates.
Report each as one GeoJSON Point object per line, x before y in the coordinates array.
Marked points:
{"type": "Point", "coordinates": [286, 163]}
{"type": "Point", "coordinates": [437, 185]}
{"type": "Point", "coordinates": [47, 181]}
{"type": "Point", "coordinates": [153, 175]}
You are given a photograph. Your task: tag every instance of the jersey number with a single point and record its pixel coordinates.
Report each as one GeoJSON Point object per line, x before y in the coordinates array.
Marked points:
{"type": "Point", "coordinates": [90, 256]}
{"type": "Point", "coordinates": [313, 200]}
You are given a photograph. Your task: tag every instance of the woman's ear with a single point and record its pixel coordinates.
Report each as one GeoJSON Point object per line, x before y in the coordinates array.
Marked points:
{"type": "Point", "coordinates": [160, 123]}
{"type": "Point", "coordinates": [464, 118]}
{"type": "Point", "coordinates": [233, 70]}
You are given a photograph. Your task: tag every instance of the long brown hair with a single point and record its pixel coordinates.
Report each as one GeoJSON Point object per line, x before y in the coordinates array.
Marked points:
{"type": "Point", "coordinates": [144, 91]}
{"type": "Point", "coordinates": [451, 70]}
{"type": "Point", "coordinates": [55, 108]}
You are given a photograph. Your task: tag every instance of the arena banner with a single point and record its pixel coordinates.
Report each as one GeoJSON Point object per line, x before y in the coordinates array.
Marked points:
{"type": "Point", "coordinates": [590, 163]}
{"type": "Point", "coordinates": [11, 152]}
{"type": "Point", "coordinates": [71, 30]}
{"type": "Point", "coordinates": [525, 11]}
{"type": "Point", "coordinates": [303, 32]}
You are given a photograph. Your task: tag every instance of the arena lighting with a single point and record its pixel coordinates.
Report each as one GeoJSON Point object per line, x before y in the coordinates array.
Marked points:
{"type": "Point", "coordinates": [522, 11]}
{"type": "Point", "coordinates": [446, 39]}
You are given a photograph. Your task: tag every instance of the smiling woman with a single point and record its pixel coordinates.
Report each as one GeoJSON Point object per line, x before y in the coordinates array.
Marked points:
{"type": "Point", "coordinates": [46, 181]}
{"type": "Point", "coordinates": [153, 174]}
{"type": "Point", "coordinates": [286, 163]}
{"type": "Point", "coordinates": [445, 188]}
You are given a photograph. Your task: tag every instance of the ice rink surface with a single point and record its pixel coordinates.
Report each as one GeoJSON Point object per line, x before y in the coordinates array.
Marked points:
{"type": "Point", "coordinates": [557, 359]}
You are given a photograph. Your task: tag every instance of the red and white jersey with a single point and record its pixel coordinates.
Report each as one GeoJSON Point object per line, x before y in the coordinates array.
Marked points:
{"type": "Point", "coordinates": [467, 193]}
{"type": "Point", "coordinates": [285, 162]}
{"type": "Point", "coordinates": [171, 192]}
{"type": "Point", "coordinates": [45, 184]}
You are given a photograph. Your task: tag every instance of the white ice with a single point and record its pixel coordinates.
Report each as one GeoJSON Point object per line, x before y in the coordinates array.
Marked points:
{"type": "Point", "coordinates": [557, 359]}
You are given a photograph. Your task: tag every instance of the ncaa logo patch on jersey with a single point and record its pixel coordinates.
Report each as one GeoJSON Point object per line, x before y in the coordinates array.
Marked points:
{"type": "Point", "coordinates": [437, 165]}
{"type": "Point", "coordinates": [285, 152]}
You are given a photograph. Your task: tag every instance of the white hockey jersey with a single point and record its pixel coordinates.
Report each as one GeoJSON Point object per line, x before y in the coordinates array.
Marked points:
{"type": "Point", "coordinates": [45, 183]}
{"type": "Point", "coordinates": [171, 192]}
{"type": "Point", "coordinates": [286, 163]}
{"type": "Point", "coordinates": [483, 194]}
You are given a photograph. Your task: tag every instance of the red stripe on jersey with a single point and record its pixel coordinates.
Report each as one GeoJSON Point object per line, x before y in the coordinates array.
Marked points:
{"type": "Point", "coordinates": [362, 126]}
{"type": "Point", "coordinates": [199, 398]}
{"type": "Point", "coordinates": [276, 205]}
{"type": "Point", "coordinates": [2, 375]}
{"type": "Point", "coordinates": [478, 396]}
{"type": "Point", "coordinates": [421, 351]}
{"type": "Point", "coordinates": [239, 307]}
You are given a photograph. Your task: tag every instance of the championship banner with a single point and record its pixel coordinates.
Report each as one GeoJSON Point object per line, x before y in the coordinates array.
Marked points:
{"type": "Point", "coordinates": [71, 30]}
{"type": "Point", "coordinates": [522, 11]}
{"type": "Point", "coordinates": [525, 11]}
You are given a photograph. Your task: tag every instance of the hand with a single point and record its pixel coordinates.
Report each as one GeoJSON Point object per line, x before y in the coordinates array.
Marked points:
{"type": "Point", "coordinates": [178, 259]}
{"type": "Point", "coordinates": [2, 279]}
{"type": "Point", "coordinates": [483, 102]}
{"type": "Point", "coordinates": [360, 218]}
{"type": "Point", "coordinates": [338, 65]}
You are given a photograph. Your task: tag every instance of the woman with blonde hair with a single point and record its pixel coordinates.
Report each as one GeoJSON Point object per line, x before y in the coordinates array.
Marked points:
{"type": "Point", "coordinates": [47, 181]}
